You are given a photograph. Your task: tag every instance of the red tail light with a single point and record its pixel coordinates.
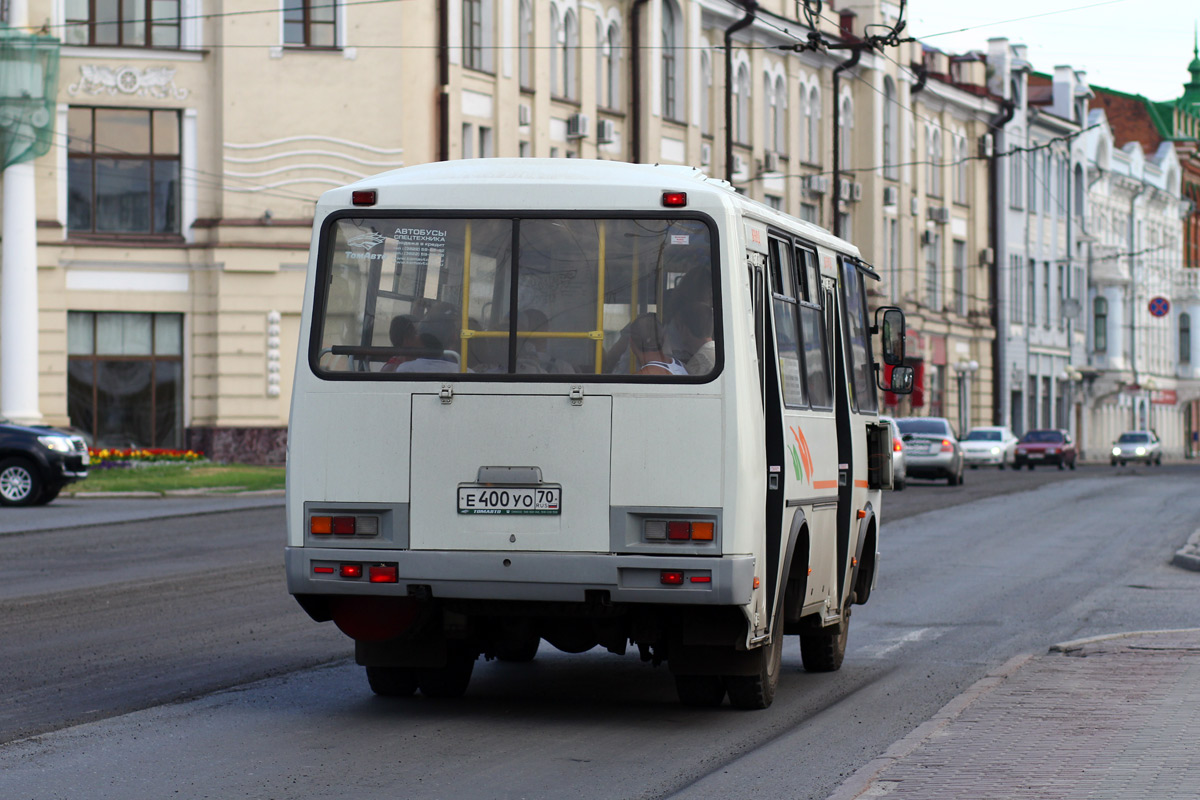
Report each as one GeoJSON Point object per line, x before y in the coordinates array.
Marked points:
{"type": "Point", "coordinates": [897, 445]}
{"type": "Point", "coordinates": [671, 577]}
{"type": "Point", "coordinates": [383, 573]}
{"type": "Point", "coordinates": [679, 531]}
{"type": "Point", "coordinates": [947, 445]}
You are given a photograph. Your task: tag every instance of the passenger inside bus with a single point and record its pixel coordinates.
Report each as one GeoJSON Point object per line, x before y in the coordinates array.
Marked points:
{"type": "Point", "coordinates": [437, 335]}
{"type": "Point", "coordinates": [696, 329]}
{"type": "Point", "coordinates": [533, 352]}
{"type": "Point", "coordinates": [403, 335]}
{"type": "Point", "coordinates": [649, 348]}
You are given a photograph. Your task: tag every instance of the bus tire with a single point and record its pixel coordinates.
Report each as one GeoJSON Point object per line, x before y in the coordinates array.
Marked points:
{"type": "Point", "coordinates": [822, 650]}
{"type": "Point", "coordinates": [450, 680]}
{"type": "Point", "coordinates": [518, 650]}
{"type": "Point", "coordinates": [752, 692]}
{"type": "Point", "coordinates": [700, 691]}
{"type": "Point", "coordinates": [392, 681]}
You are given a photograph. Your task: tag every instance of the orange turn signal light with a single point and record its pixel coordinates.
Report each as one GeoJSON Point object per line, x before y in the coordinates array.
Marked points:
{"type": "Point", "coordinates": [322, 526]}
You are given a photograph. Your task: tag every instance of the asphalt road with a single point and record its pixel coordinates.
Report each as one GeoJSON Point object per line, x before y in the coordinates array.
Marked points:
{"type": "Point", "coordinates": [157, 615]}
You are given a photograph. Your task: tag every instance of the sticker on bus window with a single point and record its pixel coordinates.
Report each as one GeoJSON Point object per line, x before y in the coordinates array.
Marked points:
{"type": "Point", "coordinates": [681, 238]}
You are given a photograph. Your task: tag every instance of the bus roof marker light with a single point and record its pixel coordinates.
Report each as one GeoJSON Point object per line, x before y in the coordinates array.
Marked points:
{"type": "Point", "coordinates": [674, 199]}
{"type": "Point", "coordinates": [363, 197]}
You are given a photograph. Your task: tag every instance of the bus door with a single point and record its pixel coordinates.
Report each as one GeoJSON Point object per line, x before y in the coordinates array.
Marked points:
{"type": "Point", "coordinates": [835, 318]}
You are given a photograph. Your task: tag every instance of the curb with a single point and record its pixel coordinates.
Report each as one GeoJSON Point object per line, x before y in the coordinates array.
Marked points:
{"type": "Point", "coordinates": [216, 491]}
{"type": "Point", "coordinates": [1077, 644]}
{"type": "Point", "coordinates": [862, 782]}
{"type": "Point", "coordinates": [1188, 556]}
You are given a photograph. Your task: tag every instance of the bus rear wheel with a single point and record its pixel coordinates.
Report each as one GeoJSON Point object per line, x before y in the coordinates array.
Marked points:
{"type": "Point", "coordinates": [822, 650]}
{"type": "Point", "coordinates": [758, 691]}
{"type": "Point", "coordinates": [450, 680]}
{"type": "Point", "coordinates": [700, 691]}
{"type": "Point", "coordinates": [392, 681]}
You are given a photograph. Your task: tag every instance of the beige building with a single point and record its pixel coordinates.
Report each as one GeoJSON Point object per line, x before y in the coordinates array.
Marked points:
{"type": "Point", "coordinates": [192, 141]}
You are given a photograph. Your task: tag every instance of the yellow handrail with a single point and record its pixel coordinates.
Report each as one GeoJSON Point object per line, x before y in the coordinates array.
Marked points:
{"type": "Point", "coordinates": [603, 228]}
{"type": "Point", "coordinates": [464, 337]}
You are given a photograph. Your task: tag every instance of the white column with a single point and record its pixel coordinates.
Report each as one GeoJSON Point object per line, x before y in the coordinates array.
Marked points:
{"type": "Point", "coordinates": [19, 299]}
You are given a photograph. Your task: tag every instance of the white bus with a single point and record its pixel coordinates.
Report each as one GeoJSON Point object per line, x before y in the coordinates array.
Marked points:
{"type": "Point", "coordinates": [590, 403]}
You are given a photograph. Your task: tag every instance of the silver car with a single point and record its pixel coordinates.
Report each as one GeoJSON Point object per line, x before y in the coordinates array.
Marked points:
{"type": "Point", "coordinates": [899, 472]}
{"type": "Point", "coordinates": [990, 445]}
{"type": "Point", "coordinates": [931, 450]}
{"type": "Point", "coordinates": [1143, 446]}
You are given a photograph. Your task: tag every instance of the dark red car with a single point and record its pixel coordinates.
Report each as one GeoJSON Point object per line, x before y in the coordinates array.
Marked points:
{"type": "Point", "coordinates": [1046, 446]}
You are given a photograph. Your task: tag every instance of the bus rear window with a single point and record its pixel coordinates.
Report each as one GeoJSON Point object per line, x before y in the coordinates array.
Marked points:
{"type": "Point", "coordinates": [614, 299]}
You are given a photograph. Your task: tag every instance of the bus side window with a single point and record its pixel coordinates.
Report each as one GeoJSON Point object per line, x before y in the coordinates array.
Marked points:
{"type": "Point", "coordinates": [858, 338]}
{"type": "Point", "coordinates": [783, 288]}
{"type": "Point", "coordinates": [812, 331]}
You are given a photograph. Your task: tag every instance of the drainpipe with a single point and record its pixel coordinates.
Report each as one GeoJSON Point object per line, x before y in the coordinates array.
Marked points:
{"type": "Point", "coordinates": [751, 6]}
{"type": "Point", "coordinates": [1133, 361]}
{"type": "Point", "coordinates": [635, 84]}
{"type": "Point", "coordinates": [835, 192]}
{"type": "Point", "coordinates": [444, 80]}
{"type": "Point", "coordinates": [1000, 368]}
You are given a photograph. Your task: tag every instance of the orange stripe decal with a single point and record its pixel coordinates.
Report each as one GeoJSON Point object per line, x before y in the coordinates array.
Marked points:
{"type": "Point", "coordinates": [824, 484]}
{"type": "Point", "coordinates": [861, 484]}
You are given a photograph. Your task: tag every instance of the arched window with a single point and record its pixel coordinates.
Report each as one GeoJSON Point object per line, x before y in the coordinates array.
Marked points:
{"type": "Point", "coordinates": [1079, 191]}
{"type": "Point", "coordinates": [670, 75]}
{"type": "Point", "coordinates": [706, 87]}
{"type": "Point", "coordinates": [891, 132]}
{"type": "Point", "coordinates": [961, 169]}
{"type": "Point", "coordinates": [813, 132]}
{"type": "Point", "coordinates": [1015, 172]}
{"type": "Point", "coordinates": [1185, 338]}
{"type": "Point", "coordinates": [781, 115]}
{"type": "Point", "coordinates": [556, 35]}
{"type": "Point", "coordinates": [933, 173]}
{"type": "Point", "coordinates": [1100, 325]}
{"type": "Point", "coordinates": [742, 88]}
{"type": "Point", "coordinates": [525, 44]}
{"type": "Point", "coordinates": [769, 112]}
{"type": "Point", "coordinates": [570, 56]}
{"type": "Point", "coordinates": [614, 66]}
{"type": "Point", "coordinates": [846, 132]}
{"type": "Point", "coordinates": [602, 56]}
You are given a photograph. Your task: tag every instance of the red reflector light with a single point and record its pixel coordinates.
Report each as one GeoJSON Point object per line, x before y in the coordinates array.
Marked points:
{"type": "Point", "coordinates": [671, 578]}
{"type": "Point", "coordinates": [674, 199]}
{"type": "Point", "coordinates": [383, 574]}
{"type": "Point", "coordinates": [323, 570]}
{"type": "Point", "coordinates": [343, 526]}
{"type": "Point", "coordinates": [701, 579]}
{"type": "Point", "coordinates": [351, 570]}
{"type": "Point", "coordinates": [363, 197]}
{"type": "Point", "coordinates": [679, 531]}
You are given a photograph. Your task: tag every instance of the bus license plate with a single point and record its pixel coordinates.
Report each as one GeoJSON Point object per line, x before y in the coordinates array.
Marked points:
{"type": "Point", "coordinates": [509, 500]}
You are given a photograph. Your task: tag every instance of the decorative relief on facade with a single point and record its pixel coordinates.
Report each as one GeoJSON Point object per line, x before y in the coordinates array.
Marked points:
{"type": "Point", "coordinates": [156, 82]}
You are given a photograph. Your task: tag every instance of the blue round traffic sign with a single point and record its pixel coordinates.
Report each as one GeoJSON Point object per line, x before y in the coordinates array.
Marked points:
{"type": "Point", "coordinates": [1160, 307]}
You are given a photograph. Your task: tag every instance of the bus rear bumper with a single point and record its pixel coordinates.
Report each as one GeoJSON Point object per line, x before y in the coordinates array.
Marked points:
{"type": "Point", "coordinates": [544, 577]}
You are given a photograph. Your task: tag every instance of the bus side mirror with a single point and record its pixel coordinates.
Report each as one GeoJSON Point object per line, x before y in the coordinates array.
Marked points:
{"type": "Point", "coordinates": [901, 381]}
{"type": "Point", "coordinates": [889, 321]}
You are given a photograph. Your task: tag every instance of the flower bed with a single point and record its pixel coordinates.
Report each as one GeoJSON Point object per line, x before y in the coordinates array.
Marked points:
{"type": "Point", "coordinates": [107, 458]}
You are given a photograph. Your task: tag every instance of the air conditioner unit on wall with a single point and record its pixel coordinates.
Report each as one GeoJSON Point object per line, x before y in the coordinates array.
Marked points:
{"type": "Point", "coordinates": [739, 164]}
{"type": "Point", "coordinates": [817, 184]}
{"type": "Point", "coordinates": [606, 131]}
{"type": "Point", "coordinates": [891, 196]}
{"type": "Point", "coordinates": [856, 191]}
{"type": "Point", "coordinates": [770, 162]}
{"type": "Point", "coordinates": [845, 190]}
{"type": "Point", "coordinates": [524, 115]}
{"type": "Point", "coordinates": [577, 126]}
{"type": "Point", "coordinates": [939, 214]}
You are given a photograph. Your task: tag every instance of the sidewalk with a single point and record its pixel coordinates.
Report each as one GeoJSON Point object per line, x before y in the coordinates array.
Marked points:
{"type": "Point", "coordinates": [1110, 718]}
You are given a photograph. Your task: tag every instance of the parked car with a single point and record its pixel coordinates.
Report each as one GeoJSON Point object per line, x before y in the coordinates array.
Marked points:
{"type": "Point", "coordinates": [1046, 446]}
{"type": "Point", "coordinates": [1141, 446]}
{"type": "Point", "coordinates": [991, 445]}
{"type": "Point", "coordinates": [899, 472]}
{"type": "Point", "coordinates": [37, 461]}
{"type": "Point", "coordinates": [931, 449]}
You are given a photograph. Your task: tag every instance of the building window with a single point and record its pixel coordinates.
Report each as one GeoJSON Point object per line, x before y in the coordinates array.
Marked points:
{"type": "Point", "coordinates": [525, 44]}
{"type": "Point", "coordinates": [309, 23]}
{"type": "Point", "coordinates": [1062, 298]}
{"type": "Point", "coordinates": [960, 276]}
{"type": "Point", "coordinates": [706, 88]}
{"type": "Point", "coordinates": [933, 270]}
{"type": "Point", "coordinates": [962, 165]}
{"type": "Point", "coordinates": [670, 76]}
{"type": "Point", "coordinates": [846, 133]}
{"type": "Point", "coordinates": [1016, 289]}
{"type": "Point", "coordinates": [742, 90]}
{"type": "Point", "coordinates": [1033, 178]}
{"type": "Point", "coordinates": [1080, 192]}
{"type": "Point", "coordinates": [472, 34]}
{"type": "Point", "coordinates": [1014, 173]}
{"type": "Point", "coordinates": [608, 69]}
{"type": "Point", "coordinates": [570, 56]}
{"type": "Point", "coordinates": [813, 128]}
{"type": "Point", "coordinates": [890, 128]}
{"type": "Point", "coordinates": [125, 378]}
{"type": "Point", "coordinates": [123, 171]}
{"type": "Point", "coordinates": [1185, 338]}
{"type": "Point", "coordinates": [556, 35]}
{"type": "Point", "coordinates": [934, 159]}
{"type": "Point", "coordinates": [1100, 325]}
{"type": "Point", "coordinates": [122, 23]}
{"type": "Point", "coordinates": [1031, 306]}
{"type": "Point", "coordinates": [810, 212]}
{"type": "Point", "coordinates": [1046, 295]}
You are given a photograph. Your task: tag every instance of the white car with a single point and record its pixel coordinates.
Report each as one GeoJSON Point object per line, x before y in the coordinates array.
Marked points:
{"type": "Point", "coordinates": [991, 445]}
{"type": "Point", "coordinates": [1143, 446]}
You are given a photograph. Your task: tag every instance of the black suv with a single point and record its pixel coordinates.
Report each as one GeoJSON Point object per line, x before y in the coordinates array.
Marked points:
{"type": "Point", "coordinates": [37, 461]}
